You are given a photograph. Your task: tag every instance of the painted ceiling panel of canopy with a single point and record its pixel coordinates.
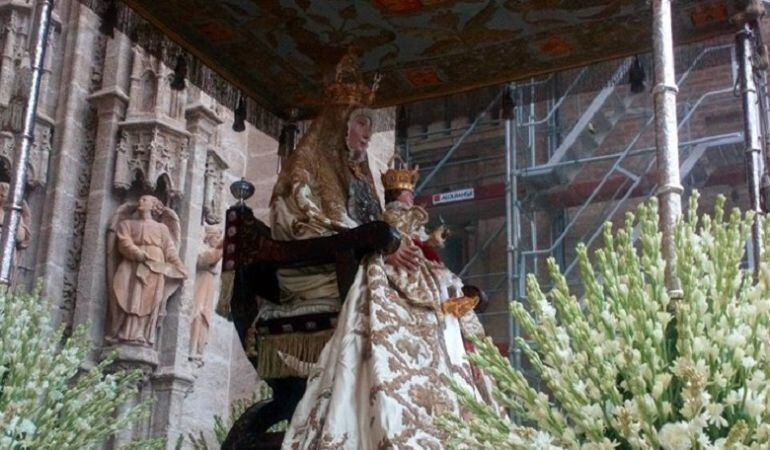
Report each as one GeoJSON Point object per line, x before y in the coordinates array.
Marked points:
{"type": "Point", "coordinates": [280, 52]}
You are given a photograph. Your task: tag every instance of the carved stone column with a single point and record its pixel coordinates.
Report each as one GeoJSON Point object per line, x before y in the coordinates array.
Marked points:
{"type": "Point", "coordinates": [173, 380]}
{"type": "Point", "coordinates": [110, 103]}
{"type": "Point", "coordinates": [66, 168]}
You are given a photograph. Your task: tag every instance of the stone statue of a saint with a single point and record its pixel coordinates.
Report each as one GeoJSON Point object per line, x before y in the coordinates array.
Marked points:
{"type": "Point", "coordinates": [143, 269]}
{"type": "Point", "coordinates": [23, 236]}
{"type": "Point", "coordinates": [205, 282]}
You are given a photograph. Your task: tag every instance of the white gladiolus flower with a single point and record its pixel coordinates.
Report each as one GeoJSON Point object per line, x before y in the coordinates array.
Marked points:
{"type": "Point", "coordinates": [754, 407]}
{"type": "Point", "coordinates": [748, 362]}
{"type": "Point", "coordinates": [27, 427]}
{"type": "Point", "coordinates": [675, 436]}
{"type": "Point", "coordinates": [714, 413]}
{"type": "Point", "coordinates": [649, 371]}
{"type": "Point", "coordinates": [46, 402]}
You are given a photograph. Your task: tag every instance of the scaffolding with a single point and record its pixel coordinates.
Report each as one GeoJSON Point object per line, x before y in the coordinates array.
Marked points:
{"type": "Point", "coordinates": [572, 157]}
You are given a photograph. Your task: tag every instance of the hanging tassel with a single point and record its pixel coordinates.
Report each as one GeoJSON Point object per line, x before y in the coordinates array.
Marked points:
{"type": "Point", "coordinates": [287, 141]}
{"type": "Point", "coordinates": [402, 126]}
{"type": "Point", "coordinates": [180, 73]}
{"type": "Point", "coordinates": [305, 347]}
{"type": "Point", "coordinates": [240, 115]}
{"type": "Point", "coordinates": [507, 105]}
{"type": "Point", "coordinates": [109, 19]}
{"type": "Point", "coordinates": [636, 76]}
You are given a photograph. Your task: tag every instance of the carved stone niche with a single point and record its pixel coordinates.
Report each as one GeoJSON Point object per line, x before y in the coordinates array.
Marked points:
{"type": "Point", "coordinates": [147, 151]}
{"type": "Point", "coordinates": [151, 95]}
{"type": "Point", "coordinates": [213, 188]}
{"type": "Point", "coordinates": [40, 151]}
{"type": "Point", "coordinates": [153, 142]}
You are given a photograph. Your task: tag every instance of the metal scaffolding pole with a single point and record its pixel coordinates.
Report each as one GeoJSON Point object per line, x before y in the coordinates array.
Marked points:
{"type": "Point", "coordinates": [19, 178]}
{"type": "Point", "coordinates": [666, 138]}
{"type": "Point", "coordinates": [751, 134]}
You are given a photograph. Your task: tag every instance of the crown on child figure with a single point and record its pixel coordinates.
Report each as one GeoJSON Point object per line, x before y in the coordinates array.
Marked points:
{"type": "Point", "coordinates": [399, 176]}
{"type": "Point", "coordinates": [348, 87]}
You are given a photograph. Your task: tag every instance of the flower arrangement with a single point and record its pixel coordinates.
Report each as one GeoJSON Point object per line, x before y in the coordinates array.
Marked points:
{"type": "Point", "coordinates": [47, 399]}
{"type": "Point", "coordinates": [628, 367]}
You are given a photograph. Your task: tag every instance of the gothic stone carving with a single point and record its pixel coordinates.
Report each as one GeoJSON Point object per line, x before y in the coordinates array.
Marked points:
{"type": "Point", "coordinates": [153, 141]}
{"type": "Point", "coordinates": [37, 166]}
{"type": "Point", "coordinates": [15, 22]}
{"type": "Point", "coordinates": [213, 188]}
{"type": "Point", "coordinates": [148, 151]}
{"type": "Point", "coordinates": [151, 94]}
{"type": "Point", "coordinates": [40, 152]}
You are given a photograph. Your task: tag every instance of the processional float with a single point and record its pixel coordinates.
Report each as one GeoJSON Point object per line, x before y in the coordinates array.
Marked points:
{"type": "Point", "coordinates": [223, 35]}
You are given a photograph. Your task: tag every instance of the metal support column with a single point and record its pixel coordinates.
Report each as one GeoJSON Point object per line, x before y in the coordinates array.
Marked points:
{"type": "Point", "coordinates": [751, 134]}
{"type": "Point", "coordinates": [666, 138]}
{"type": "Point", "coordinates": [511, 219]}
{"type": "Point", "coordinates": [19, 178]}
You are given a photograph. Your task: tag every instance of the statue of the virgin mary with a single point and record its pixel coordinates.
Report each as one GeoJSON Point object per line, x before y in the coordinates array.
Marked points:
{"type": "Point", "coordinates": [384, 375]}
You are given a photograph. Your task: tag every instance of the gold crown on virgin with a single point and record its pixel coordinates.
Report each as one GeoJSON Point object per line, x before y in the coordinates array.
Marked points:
{"type": "Point", "coordinates": [399, 176]}
{"type": "Point", "coordinates": [348, 87]}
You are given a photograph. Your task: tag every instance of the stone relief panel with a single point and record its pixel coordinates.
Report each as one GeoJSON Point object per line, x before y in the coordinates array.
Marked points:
{"type": "Point", "coordinates": [214, 184]}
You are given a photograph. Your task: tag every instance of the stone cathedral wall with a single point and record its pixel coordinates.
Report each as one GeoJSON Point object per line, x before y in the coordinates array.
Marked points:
{"type": "Point", "coordinates": [110, 128]}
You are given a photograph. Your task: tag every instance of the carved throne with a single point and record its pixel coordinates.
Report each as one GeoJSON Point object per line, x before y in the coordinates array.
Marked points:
{"type": "Point", "coordinates": [251, 259]}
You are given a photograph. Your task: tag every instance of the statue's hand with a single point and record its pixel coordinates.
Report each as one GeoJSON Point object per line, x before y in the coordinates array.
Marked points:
{"type": "Point", "coordinates": [407, 256]}
{"type": "Point", "coordinates": [143, 256]}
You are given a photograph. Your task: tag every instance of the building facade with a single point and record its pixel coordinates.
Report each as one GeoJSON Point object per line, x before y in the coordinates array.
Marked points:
{"type": "Point", "coordinates": [109, 130]}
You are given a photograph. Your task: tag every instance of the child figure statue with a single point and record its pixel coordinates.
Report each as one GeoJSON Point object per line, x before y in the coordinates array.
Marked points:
{"type": "Point", "coordinates": [430, 274]}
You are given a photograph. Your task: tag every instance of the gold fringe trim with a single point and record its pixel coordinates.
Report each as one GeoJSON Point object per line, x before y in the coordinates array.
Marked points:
{"type": "Point", "coordinates": [226, 285]}
{"type": "Point", "coordinates": [306, 347]}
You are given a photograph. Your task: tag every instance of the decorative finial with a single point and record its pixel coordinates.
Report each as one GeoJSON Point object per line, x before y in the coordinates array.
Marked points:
{"type": "Point", "coordinates": [242, 190]}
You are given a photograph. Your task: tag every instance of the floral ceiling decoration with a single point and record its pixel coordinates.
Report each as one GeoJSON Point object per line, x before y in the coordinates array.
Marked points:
{"type": "Point", "coordinates": [281, 51]}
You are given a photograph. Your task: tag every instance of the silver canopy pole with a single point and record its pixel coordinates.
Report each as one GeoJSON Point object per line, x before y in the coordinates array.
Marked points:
{"type": "Point", "coordinates": [751, 134]}
{"type": "Point", "coordinates": [19, 177]}
{"type": "Point", "coordinates": [666, 138]}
